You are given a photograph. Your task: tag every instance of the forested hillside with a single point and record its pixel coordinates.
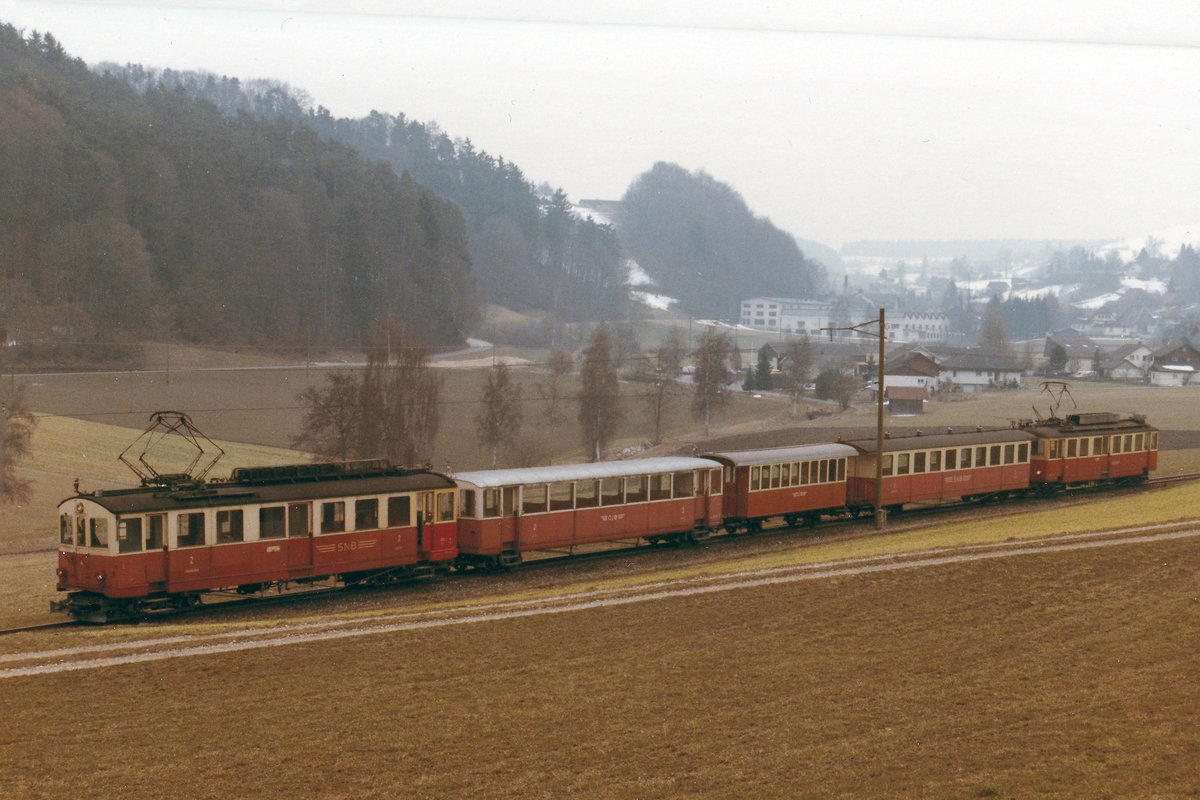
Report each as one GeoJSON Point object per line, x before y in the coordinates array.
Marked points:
{"type": "Point", "coordinates": [698, 240]}
{"type": "Point", "coordinates": [527, 248]}
{"type": "Point", "coordinates": [132, 215]}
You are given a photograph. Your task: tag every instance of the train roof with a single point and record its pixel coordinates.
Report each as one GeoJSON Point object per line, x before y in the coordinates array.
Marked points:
{"type": "Point", "coordinates": [580, 472]}
{"type": "Point", "coordinates": [779, 455]}
{"type": "Point", "coordinates": [271, 485]}
{"type": "Point", "coordinates": [1094, 423]}
{"type": "Point", "coordinates": [924, 441]}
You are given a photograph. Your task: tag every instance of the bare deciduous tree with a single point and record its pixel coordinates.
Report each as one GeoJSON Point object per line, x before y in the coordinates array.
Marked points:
{"type": "Point", "coordinates": [16, 434]}
{"type": "Point", "coordinates": [560, 364]}
{"type": "Point", "coordinates": [389, 411]}
{"type": "Point", "coordinates": [712, 354]}
{"type": "Point", "coordinates": [599, 397]}
{"type": "Point", "coordinates": [500, 418]}
{"type": "Point", "coordinates": [668, 361]}
{"type": "Point", "coordinates": [795, 366]}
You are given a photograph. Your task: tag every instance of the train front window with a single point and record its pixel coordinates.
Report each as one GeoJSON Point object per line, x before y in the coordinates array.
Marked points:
{"type": "Point", "coordinates": [98, 527]}
{"type": "Point", "coordinates": [129, 536]}
{"type": "Point", "coordinates": [191, 529]}
{"type": "Point", "coordinates": [229, 526]}
{"type": "Point", "coordinates": [66, 529]}
{"type": "Point", "coordinates": [272, 522]}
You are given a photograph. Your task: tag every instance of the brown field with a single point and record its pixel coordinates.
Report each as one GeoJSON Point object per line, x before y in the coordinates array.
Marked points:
{"type": "Point", "coordinates": [1051, 675]}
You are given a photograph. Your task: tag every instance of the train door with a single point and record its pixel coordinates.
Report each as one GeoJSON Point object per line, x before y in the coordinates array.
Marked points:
{"type": "Point", "coordinates": [299, 531]}
{"type": "Point", "coordinates": [156, 548]}
{"type": "Point", "coordinates": [425, 512]}
{"type": "Point", "coordinates": [509, 523]}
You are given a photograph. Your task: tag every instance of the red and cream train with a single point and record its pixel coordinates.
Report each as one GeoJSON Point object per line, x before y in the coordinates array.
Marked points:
{"type": "Point", "coordinates": [127, 552]}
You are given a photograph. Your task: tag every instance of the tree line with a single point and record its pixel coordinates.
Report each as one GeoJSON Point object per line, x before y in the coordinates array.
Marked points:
{"type": "Point", "coordinates": [131, 215]}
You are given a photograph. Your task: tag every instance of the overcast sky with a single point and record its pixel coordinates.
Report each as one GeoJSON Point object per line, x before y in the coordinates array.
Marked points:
{"type": "Point", "coordinates": [838, 121]}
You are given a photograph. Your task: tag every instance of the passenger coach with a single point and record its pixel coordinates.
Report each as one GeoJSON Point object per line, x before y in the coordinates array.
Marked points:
{"type": "Point", "coordinates": [796, 483]}
{"type": "Point", "coordinates": [947, 466]}
{"type": "Point", "coordinates": [504, 513]}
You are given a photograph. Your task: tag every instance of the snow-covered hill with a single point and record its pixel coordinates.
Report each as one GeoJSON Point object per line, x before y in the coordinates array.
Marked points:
{"type": "Point", "coordinates": [1168, 241]}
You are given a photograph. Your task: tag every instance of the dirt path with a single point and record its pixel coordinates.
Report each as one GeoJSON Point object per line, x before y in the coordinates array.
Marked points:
{"type": "Point", "coordinates": [44, 662]}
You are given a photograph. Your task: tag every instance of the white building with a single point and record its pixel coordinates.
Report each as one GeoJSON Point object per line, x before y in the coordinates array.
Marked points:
{"type": "Point", "coordinates": [787, 315]}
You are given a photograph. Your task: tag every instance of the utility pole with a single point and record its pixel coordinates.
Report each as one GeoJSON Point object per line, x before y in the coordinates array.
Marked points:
{"type": "Point", "coordinates": [880, 512]}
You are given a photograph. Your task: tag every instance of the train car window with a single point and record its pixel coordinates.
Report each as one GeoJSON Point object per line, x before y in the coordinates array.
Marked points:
{"type": "Point", "coordinates": [995, 455]}
{"type": "Point", "coordinates": [533, 499]}
{"type": "Point", "coordinates": [1097, 445]}
{"type": "Point", "coordinates": [755, 478]}
{"type": "Point", "coordinates": [1071, 448]}
{"type": "Point", "coordinates": [935, 460]}
{"type": "Point", "coordinates": [491, 503]}
{"type": "Point", "coordinates": [660, 486]}
{"type": "Point", "coordinates": [445, 506]}
{"type": "Point", "coordinates": [1084, 445]}
{"type": "Point", "coordinates": [774, 476]}
{"type": "Point", "coordinates": [66, 529]}
{"type": "Point", "coordinates": [1153, 445]}
{"type": "Point", "coordinates": [229, 525]}
{"type": "Point", "coordinates": [129, 535]}
{"type": "Point", "coordinates": [785, 475]}
{"type": "Point", "coordinates": [366, 514]}
{"type": "Point", "coordinates": [918, 463]}
{"type": "Point", "coordinates": [795, 474]}
{"type": "Point", "coordinates": [683, 483]}
{"type": "Point", "coordinates": [841, 469]}
{"type": "Point", "coordinates": [587, 494]}
{"type": "Point", "coordinates": [951, 459]}
{"type": "Point", "coordinates": [981, 456]}
{"type": "Point", "coordinates": [1116, 445]}
{"type": "Point", "coordinates": [191, 529]}
{"type": "Point", "coordinates": [805, 473]}
{"type": "Point", "coordinates": [902, 463]}
{"type": "Point", "coordinates": [399, 509]}
{"type": "Point", "coordinates": [272, 522]}
{"type": "Point", "coordinates": [1010, 453]}
{"type": "Point", "coordinates": [637, 489]}
{"type": "Point", "coordinates": [612, 491]}
{"type": "Point", "coordinates": [1039, 447]}
{"type": "Point", "coordinates": [887, 465]}
{"type": "Point", "coordinates": [562, 496]}
{"type": "Point", "coordinates": [333, 517]}
{"type": "Point", "coordinates": [1129, 443]}
{"type": "Point", "coordinates": [98, 527]}
{"type": "Point", "coordinates": [1023, 452]}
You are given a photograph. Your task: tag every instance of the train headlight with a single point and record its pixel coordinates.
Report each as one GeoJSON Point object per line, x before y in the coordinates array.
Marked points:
{"type": "Point", "coordinates": [100, 577]}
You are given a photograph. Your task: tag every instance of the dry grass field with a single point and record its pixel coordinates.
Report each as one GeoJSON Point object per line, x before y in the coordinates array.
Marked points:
{"type": "Point", "coordinates": [1057, 675]}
